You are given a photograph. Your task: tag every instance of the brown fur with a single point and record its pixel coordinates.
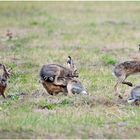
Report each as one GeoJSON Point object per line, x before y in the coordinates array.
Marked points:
{"type": "Point", "coordinates": [3, 80]}
{"type": "Point", "coordinates": [53, 89]}
{"type": "Point", "coordinates": [71, 84]}
{"type": "Point", "coordinates": [123, 70]}
{"type": "Point", "coordinates": [56, 78]}
{"type": "Point", "coordinates": [2, 89]}
{"type": "Point", "coordinates": [58, 72]}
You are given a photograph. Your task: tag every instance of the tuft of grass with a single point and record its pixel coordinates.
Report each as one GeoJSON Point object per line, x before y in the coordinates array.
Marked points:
{"type": "Point", "coordinates": [108, 59]}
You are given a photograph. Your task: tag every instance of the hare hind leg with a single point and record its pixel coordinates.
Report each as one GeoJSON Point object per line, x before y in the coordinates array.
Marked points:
{"type": "Point", "coordinates": [59, 82]}
{"type": "Point", "coordinates": [3, 95]}
{"type": "Point", "coordinates": [120, 80]}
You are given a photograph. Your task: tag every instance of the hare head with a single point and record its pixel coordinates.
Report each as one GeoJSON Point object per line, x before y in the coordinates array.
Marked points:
{"type": "Point", "coordinates": [71, 66]}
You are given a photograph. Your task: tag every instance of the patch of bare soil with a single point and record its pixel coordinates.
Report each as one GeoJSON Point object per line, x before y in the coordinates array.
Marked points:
{"type": "Point", "coordinates": [119, 130]}
{"type": "Point", "coordinates": [20, 96]}
{"type": "Point", "coordinates": [38, 94]}
{"type": "Point", "coordinates": [103, 101]}
{"type": "Point", "coordinates": [22, 134]}
{"type": "Point", "coordinates": [26, 96]}
{"type": "Point", "coordinates": [45, 102]}
{"type": "Point", "coordinates": [13, 134]}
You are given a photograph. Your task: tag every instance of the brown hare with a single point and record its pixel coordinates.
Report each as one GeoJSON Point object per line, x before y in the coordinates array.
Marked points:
{"type": "Point", "coordinates": [56, 73]}
{"type": "Point", "coordinates": [74, 86]}
{"type": "Point", "coordinates": [134, 95]}
{"type": "Point", "coordinates": [56, 78]}
{"type": "Point", "coordinates": [4, 79]}
{"type": "Point", "coordinates": [122, 71]}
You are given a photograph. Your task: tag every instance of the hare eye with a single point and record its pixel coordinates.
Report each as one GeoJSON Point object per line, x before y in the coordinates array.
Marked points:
{"type": "Point", "coordinates": [3, 80]}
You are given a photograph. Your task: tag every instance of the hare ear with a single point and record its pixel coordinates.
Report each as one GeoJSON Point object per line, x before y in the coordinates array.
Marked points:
{"type": "Point", "coordinates": [10, 70]}
{"type": "Point", "coordinates": [7, 72]}
{"type": "Point", "coordinates": [69, 62]}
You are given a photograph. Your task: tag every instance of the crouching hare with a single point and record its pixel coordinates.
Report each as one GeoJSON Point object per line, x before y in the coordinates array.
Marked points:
{"type": "Point", "coordinates": [73, 86]}
{"type": "Point", "coordinates": [4, 79]}
{"type": "Point", "coordinates": [135, 95]}
{"type": "Point", "coordinates": [122, 71]}
{"type": "Point", "coordinates": [56, 78]}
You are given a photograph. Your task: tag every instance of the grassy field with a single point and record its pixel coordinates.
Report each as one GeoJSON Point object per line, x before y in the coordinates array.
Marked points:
{"type": "Point", "coordinates": [97, 35]}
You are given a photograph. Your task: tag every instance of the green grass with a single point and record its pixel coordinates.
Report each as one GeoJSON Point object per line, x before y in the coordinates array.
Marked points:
{"type": "Point", "coordinates": [108, 60]}
{"type": "Point", "coordinates": [97, 35]}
